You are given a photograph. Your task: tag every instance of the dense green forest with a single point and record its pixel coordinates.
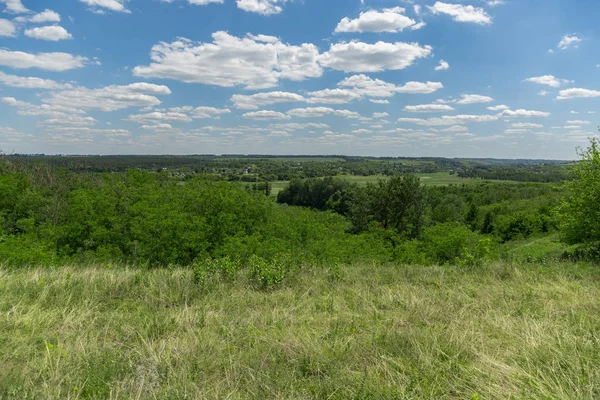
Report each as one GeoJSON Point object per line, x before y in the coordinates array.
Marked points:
{"type": "Point", "coordinates": [159, 211]}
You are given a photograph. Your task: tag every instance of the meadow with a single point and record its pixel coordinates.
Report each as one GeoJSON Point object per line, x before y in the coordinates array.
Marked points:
{"type": "Point", "coordinates": [357, 332]}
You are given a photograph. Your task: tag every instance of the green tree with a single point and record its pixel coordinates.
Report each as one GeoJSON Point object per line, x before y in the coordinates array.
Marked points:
{"type": "Point", "coordinates": [580, 212]}
{"type": "Point", "coordinates": [397, 203]}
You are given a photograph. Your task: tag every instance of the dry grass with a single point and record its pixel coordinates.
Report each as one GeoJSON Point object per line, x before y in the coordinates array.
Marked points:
{"type": "Point", "coordinates": [380, 332]}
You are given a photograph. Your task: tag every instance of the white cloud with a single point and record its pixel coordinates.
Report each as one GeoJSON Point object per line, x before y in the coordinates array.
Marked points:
{"type": "Point", "coordinates": [500, 107]}
{"type": "Point", "coordinates": [450, 120]}
{"type": "Point", "coordinates": [455, 128]}
{"type": "Point", "coordinates": [7, 28]}
{"type": "Point", "coordinates": [379, 101]}
{"type": "Point", "coordinates": [386, 20]}
{"type": "Point", "coordinates": [69, 121]}
{"type": "Point", "coordinates": [160, 128]}
{"type": "Point", "coordinates": [14, 6]}
{"type": "Point", "coordinates": [294, 126]}
{"type": "Point", "coordinates": [474, 99]}
{"type": "Point", "coordinates": [548, 80]}
{"type": "Point", "coordinates": [526, 125]}
{"type": "Point", "coordinates": [208, 112]}
{"type": "Point", "coordinates": [494, 3]}
{"type": "Point", "coordinates": [110, 98]}
{"type": "Point", "coordinates": [47, 61]}
{"type": "Point", "coordinates": [577, 93]}
{"type": "Point", "coordinates": [30, 82]}
{"type": "Point", "coordinates": [255, 62]}
{"type": "Point", "coordinates": [332, 96]}
{"type": "Point", "coordinates": [356, 56]}
{"type": "Point", "coordinates": [569, 40]}
{"type": "Point", "coordinates": [197, 2]}
{"type": "Point", "coordinates": [265, 115]}
{"type": "Point", "coordinates": [45, 16]}
{"type": "Point", "coordinates": [45, 110]}
{"type": "Point", "coordinates": [264, 7]}
{"type": "Point", "coordinates": [442, 66]}
{"type": "Point", "coordinates": [543, 93]}
{"type": "Point", "coordinates": [578, 122]}
{"type": "Point", "coordinates": [316, 112]}
{"type": "Point", "coordinates": [379, 115]}
{"type": "Point", "coordinates": [154, 117]}
{"type": "Point", "coordinates": [255, 101]}
{"type": "Point", "coordinates": [429, 108]}
{"type": "Point", "coordinates": [10, 135]}
{"type": "Point", "coordinates": [52, 33]}
{"type": "Point", "coordinates": [366, 86]}
{"type": "Point", "coordinates": [525, 113]}
{"type": "Point", "coordinates": [461, 13]}
{"type": "Point", "coordinates": [111, 5]}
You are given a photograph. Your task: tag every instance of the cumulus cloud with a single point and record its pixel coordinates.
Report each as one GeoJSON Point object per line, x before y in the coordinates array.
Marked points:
{"type": "Point", "coordinates": [386, 20]}
{"type": "Point", "coordinates": [368, 87]}
{"type": "Point", "coordinates": [7, 28]}
{"type": "Point", "coordinates": [577, 93]}
{"type": "Point", "coordinates": [52, 33]}
{"type": "Point", "coordinates": [524, 113]}
{"type": "Point", "coordinates": [549, 80]}
{"type": "Point", "coordinates": [316, 112]}
{"type": "Point", "coordinates": [450, 120]}
{"type": "Point", "coordinates": [265, 115]}
{"type": "Point", "coordinates": [47, 61]}
{"type": "Point", "coordinates": [526, 125]}
{"type": "Point", "coordinates": [332, 96]}
{"type": "Point", "coordinates": [208, 112]}
{"type": "Point", "coordinates": [30, 82]}
{"type": "Point", "coordinates": [100, 6]}
{"type": "Point", "coordinates": [255, 101]}
{"type": "Point", "coordinates": [264, 7]}
{"type": "Point", "coordinates": [462, 13]}
{"type": "Point", "coordinates": [500, 107]}
{"type": "Point", "coordinates": [442, 66]}
{"type": "Point", "coordinates": [569, 40]}
{"type": "Point", "coordinates": [110, 98]}
{"type": "Point", "coordinates": [256, 62]}
{"type": "Point", "coordinates": [357, 56]}
{"type": "Point", "coordinates": [429, 108]}
{"type": "Point", "coordinates": [157, 116]}
{"type": "Point", "coordinates": [14, 6]}
{"type": "Point", "coordinates": [45, 110]}
{"type": "Point", "coordinates": [42, 17]}
{"type": "Point", "coordinates": [578, 122]}
{"type": "Point", "coordinates": [474, 99]}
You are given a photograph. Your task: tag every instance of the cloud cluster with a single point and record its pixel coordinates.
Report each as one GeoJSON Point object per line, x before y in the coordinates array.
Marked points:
{"type": "Point", "coordinates": [386, 20]}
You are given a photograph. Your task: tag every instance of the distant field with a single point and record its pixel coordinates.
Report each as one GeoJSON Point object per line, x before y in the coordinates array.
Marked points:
{"type": "Point", "coordinates": [435, 179]}
{"type": "Point", "coordinates": [367, 332]}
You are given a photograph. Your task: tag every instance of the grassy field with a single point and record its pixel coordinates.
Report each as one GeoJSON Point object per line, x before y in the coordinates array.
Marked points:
{"type": "Point", "coordinates": [439, 178]}
{"type": "Point", "coordinates": [365, 332]}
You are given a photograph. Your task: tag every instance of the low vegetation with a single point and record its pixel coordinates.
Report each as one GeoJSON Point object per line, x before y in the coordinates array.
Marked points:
{"type": "Point", "coordinates": [357, 332]}
{"type": "Point", "coordinates": [148, 284]}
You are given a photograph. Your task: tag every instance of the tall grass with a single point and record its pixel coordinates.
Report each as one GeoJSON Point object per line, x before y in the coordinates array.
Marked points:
{"type": "Point", "coordinates": [362, 332]}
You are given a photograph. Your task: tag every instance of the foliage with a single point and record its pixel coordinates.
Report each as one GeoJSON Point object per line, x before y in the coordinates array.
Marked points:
{"type": "Point", "coordinates": [580, 212]}
{"type": "Point", "coordinates": [397, 203]}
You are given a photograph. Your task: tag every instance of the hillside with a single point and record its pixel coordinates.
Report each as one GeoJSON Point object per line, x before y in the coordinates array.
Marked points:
{"type": "Point", "coordinates": [366, 331]}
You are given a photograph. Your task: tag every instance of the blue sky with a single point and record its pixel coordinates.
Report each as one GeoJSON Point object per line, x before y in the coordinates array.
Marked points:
{"type": "Point", "coordinates": [476, 78]}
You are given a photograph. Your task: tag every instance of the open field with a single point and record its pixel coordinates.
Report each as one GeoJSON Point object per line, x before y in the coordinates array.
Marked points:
{"type": "Point", "coordinates": [365, 332]}
{"type": "Point", "coordinates": [433, 179]}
